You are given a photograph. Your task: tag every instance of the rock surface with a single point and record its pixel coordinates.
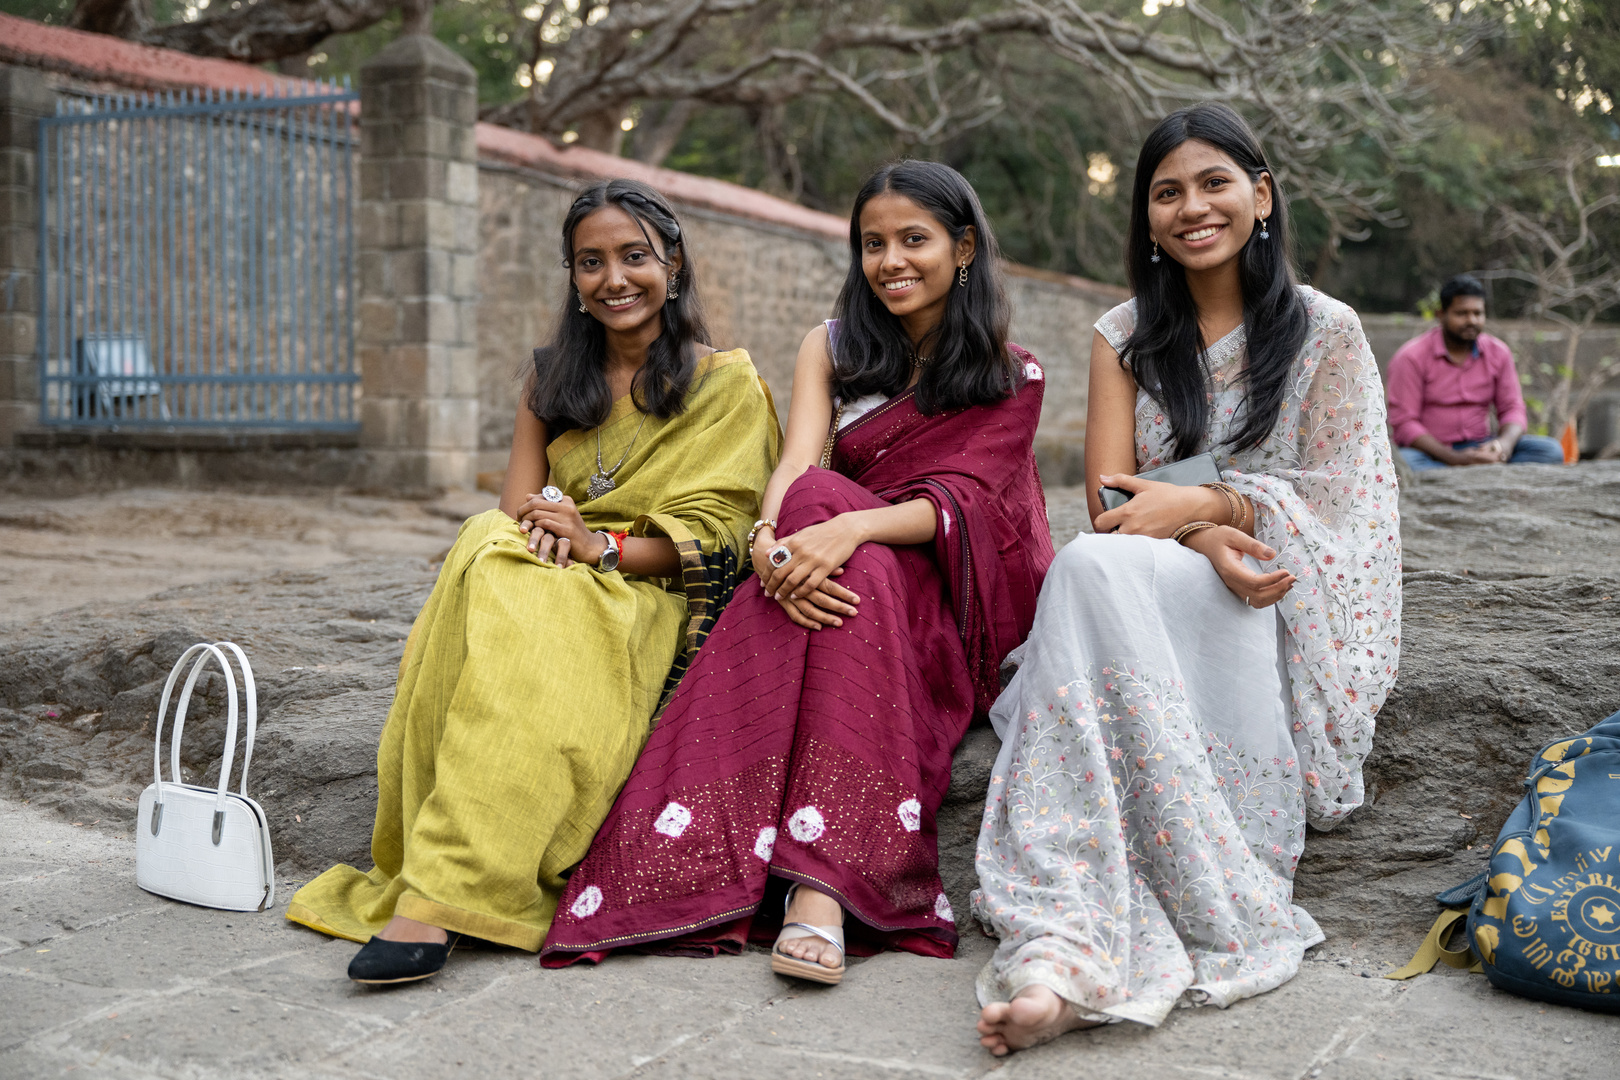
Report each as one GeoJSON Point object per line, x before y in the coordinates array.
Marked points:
{"type": "Point", "coordinates": [1511, 639]}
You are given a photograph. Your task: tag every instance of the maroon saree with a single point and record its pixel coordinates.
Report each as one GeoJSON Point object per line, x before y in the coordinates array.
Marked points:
{"type": "Point", "coordinates": [823, 756]}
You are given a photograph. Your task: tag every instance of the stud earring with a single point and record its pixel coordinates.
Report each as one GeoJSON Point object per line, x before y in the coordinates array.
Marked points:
{"type": "Point", "coordinates": [1264, 233]}
{"type": "Point", "coordinates": [1155, 256]}
{"type": "Point", "coordinates": [671, 293]}
{"type": "Point", "coordinates": [961, 276]}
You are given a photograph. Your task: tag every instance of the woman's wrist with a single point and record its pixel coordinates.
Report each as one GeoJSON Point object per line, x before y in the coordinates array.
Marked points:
{"type": "Point", "coordinates": [1214, 505]}
{"type": "Point", "coordinates": [597, 545]}
{"type": "Point", "coordinates": [764, 540]}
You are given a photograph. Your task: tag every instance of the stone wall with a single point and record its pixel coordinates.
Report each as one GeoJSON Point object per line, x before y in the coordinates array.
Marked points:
{"type": "Point", "coordinates": [763, 286]}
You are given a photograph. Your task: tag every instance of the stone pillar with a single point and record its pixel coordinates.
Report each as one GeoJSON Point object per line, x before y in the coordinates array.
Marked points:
{"type": "Point", "coordinates": [417, 343]}
{"type": "Point", "coordinates": [24, 98]}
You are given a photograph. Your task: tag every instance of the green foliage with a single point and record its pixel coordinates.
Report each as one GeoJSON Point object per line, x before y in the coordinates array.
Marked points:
{"type": "Point", "coordinates": [478, 30]}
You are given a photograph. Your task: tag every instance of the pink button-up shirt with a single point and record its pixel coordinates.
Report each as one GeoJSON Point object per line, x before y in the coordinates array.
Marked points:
{"type": "Point", "coordinates": [1428, 394]}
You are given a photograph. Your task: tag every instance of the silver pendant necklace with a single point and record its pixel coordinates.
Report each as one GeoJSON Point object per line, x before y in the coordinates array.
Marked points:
{"type": "Point", "coordinates": [601, 481]}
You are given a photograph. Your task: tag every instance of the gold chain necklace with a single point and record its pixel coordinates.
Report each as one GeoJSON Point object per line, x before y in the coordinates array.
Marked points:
{"type": "Point", "coordinates": [602, 479]}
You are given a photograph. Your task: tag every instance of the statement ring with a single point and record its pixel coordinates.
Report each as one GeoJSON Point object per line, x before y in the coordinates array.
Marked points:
{"type": "Point", "coordinates": [779, 555]}
{"type": "Point", "coordinates": [551, 493]}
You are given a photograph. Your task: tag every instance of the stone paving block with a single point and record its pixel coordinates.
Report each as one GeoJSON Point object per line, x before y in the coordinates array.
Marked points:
{"type": "Point", "coordinates": [31, 1004]}
{"type": "Point", "coordinates": [613, 1019]}
{"type": "Point", "coordinates": [216, 1032]}
{"type": "Point", "coordinates": [89, 1063]}
{"type": "Point", "coordinates": [925, 1011]}
{"type": "Point", "coordinates": [69, 900]}
{"type": "Point", "coordinates": [146, 950]}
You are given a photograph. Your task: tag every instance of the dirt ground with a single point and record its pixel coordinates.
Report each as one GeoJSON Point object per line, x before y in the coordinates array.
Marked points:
{"type": "Point", "coordinates": [57, 554]}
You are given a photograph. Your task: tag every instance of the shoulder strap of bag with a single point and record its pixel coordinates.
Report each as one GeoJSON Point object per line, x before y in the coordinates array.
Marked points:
{"type": "Point", "coordinates": [250, 694]}
{"type": "Point", "coordinates": [163, 713]}
{"type": "Point", "coordinates": [205, 652]}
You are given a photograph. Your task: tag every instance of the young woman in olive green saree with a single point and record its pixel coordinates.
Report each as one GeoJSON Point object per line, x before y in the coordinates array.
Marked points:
{"type": "Point", "coordinates": [559, 621]}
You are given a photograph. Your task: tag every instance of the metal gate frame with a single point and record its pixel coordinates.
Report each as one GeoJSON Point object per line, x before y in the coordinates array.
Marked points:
{"type": "Point", "coordinates": [197, 261]}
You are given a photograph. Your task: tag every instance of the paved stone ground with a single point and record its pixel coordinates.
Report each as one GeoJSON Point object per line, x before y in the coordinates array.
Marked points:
{"type": "Point", "coordinates": [1511, 632]}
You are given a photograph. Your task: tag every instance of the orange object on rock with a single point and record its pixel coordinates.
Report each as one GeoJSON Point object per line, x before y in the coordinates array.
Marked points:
{"type": "Point", "coordinates": [1570, 443]}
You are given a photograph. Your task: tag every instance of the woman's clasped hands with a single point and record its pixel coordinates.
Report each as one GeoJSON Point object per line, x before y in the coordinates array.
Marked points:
{"type": "Point", "coordinates": [1157, 509]}
{"type": "Point", "coordinates": [556, 531]}
{"type": "Point", "coordinates": [802, 584]}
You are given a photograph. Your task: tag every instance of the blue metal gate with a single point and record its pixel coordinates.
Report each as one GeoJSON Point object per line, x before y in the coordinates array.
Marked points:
{"type": "Point", "coordinates": [197, 257]}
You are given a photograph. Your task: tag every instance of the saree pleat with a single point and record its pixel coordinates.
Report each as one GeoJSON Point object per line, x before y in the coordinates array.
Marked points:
{"type": "Point", "coordinates": [823, 756]}
{"type": "Point", "coordinates": [527, 690]}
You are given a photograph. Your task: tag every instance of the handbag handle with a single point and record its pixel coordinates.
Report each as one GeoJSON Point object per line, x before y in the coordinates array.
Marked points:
{"type": "Point", "coordinates": [250, 694]}
{"type": "Point", "coordinates": [204, 651]}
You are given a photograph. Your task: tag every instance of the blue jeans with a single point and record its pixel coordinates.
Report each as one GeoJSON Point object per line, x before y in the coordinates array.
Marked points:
{"type": "Point", "coordinates": [1529, 450]}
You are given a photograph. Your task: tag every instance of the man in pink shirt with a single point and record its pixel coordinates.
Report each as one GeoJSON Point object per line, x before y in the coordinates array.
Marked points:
{"type": "Point", "coordinates": [1443, 382]}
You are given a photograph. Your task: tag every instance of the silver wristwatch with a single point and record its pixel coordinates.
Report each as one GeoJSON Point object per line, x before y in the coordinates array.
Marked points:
{"type": "Point", "coordinates": [609, 561]}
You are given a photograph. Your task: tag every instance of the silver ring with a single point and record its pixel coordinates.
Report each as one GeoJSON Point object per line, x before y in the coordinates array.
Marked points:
{"type": "Point", "coordinates": [1246, 602]}
{"type": "Point", "coordinates": [779, 555]}
{"type": "Point", "coordinates": [551, 494]}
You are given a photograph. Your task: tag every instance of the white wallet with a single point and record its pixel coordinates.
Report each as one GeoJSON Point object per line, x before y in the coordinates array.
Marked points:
{"type": "Point", "coordinates": [205, 845]}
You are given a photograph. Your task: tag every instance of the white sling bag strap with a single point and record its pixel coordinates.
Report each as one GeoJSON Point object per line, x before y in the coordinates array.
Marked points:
{"type": "Point", "coordinates": [205, 846]}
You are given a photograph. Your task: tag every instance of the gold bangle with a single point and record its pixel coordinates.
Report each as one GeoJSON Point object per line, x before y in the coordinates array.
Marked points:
{"type": "Point", "coordinates": [1181, 534]}
{"type": "Point", "coordinates": [1234, 502]}
{"type": "Point", "coordinates": [753, 534]}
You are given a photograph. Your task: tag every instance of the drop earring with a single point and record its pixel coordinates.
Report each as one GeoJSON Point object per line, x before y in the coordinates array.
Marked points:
{"type": "Point", "coordinates": [1265, 234]}
{"type": "Point", "coordinates": [1155, 256]}
{"type": "Point", "coordinates": [583, 310]}
{"type": "Point", "coordinates": [671, 293]}
{"type": "Point", "coordinates": [961, 276]}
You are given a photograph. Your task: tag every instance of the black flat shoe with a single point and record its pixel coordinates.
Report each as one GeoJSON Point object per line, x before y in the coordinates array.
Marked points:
{"type": "Point", "coordinates": [381, 963]}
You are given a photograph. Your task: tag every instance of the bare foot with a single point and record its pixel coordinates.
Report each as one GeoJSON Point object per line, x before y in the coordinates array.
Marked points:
{"type": "Point", "coordinates": [1034, 1015]}
{"type": "Point", "coordinates": [400, 928]}
{"type": "Point", "coordinates": [817, 909]}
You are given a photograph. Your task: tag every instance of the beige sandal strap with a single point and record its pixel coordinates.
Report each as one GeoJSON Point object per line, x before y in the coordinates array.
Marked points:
{"type": "Point", "coordinates": [833, 935]}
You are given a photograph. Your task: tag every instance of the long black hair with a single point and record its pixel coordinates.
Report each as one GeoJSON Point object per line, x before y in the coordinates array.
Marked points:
{"type": "Point", "coordinates": [969, 361]}
{"type": "Point", "coordinates": [1165, 352]}
{"type": "Point", "coordinates": [570, 388]}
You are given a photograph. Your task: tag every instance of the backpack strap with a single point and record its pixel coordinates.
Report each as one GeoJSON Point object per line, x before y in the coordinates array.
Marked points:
{"type": "Point", "coordinates": [1464, 895]}
{"type": "Point", "coordinates": [1433, 950]}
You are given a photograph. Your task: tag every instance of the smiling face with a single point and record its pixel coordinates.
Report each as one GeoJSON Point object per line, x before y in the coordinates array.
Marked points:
{"type": "Point", "coordinates": [1202, 207]}
{"type": "Point", "coordinates": [910, 260]}
{"type": "Point", "coordinates": [617, 271]}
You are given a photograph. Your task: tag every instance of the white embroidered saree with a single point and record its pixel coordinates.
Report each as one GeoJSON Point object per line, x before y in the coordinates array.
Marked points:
{"type": "Point", "coordinates": [1163, 744]}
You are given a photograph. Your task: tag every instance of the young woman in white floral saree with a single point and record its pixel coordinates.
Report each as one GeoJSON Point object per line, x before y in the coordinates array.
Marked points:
{"type": "Point", "coordinates": [1203, 673]}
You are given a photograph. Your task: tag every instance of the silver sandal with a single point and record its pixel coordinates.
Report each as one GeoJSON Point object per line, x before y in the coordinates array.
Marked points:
{"type": "Point", "coordinates": [815, 971]}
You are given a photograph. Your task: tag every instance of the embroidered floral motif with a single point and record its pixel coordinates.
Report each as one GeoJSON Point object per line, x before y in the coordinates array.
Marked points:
{"type": "Point", "coordinates": [1324, 493]}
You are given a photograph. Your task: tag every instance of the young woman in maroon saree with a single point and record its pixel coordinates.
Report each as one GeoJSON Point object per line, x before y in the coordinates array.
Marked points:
{"type": "Point", "coordinates": [811, 740]}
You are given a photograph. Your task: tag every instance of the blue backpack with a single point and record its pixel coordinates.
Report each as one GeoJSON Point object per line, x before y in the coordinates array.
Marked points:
{"type": "Point", "coordinates": [1544, 917]}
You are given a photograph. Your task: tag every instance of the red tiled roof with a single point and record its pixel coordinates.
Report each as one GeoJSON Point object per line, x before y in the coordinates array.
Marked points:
{"type": "Point", "coordinates": [102, 58]}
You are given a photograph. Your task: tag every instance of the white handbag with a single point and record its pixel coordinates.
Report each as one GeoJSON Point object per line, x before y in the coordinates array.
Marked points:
{"type": "Point", "coordinates": [205, 845]}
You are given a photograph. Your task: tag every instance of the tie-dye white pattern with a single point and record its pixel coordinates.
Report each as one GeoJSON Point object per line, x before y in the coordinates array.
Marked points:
{"type": "Point", "coordinates": [1163, 743]}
